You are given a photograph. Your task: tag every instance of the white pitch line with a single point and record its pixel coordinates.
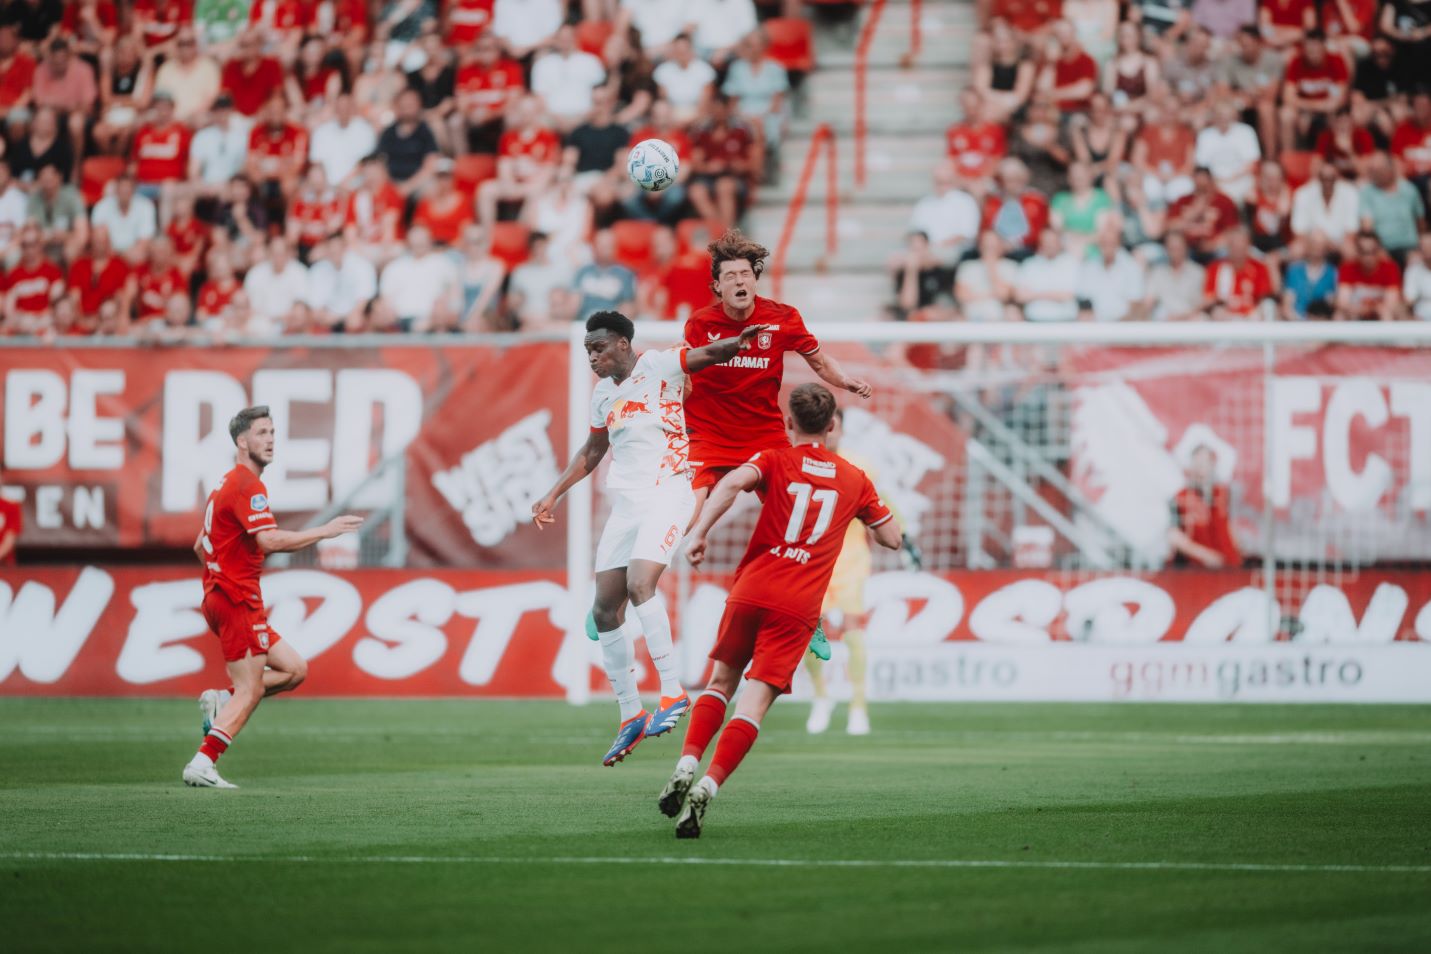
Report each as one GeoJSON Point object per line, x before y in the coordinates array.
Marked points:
{"type": "Point", "coordinates": [727, 862]}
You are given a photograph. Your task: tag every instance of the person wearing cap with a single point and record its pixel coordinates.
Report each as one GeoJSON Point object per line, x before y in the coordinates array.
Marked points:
{"type": "Point", "coordinates": [191, 78]}
{"type": "Point", "coordinates": [219, 151]}
{"type": "Point", "coordinates": [66, 83]}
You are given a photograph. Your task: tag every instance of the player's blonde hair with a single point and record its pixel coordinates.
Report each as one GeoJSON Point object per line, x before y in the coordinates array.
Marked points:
{"type": "Point", "coordinates": [734, 245]}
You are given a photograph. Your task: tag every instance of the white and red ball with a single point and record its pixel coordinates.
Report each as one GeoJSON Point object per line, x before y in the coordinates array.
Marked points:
{"type": "Point", "coordinates": [653, 164]}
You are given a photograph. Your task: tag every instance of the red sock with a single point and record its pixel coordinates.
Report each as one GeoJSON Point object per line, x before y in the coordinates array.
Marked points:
{"type": "Point", "coordinates": [739, 735]}
{"type": "Point", "coordinates": [706, 716]}
{"type": "Point", "coordinates": [216, 743]}
{"type": "Point", "coordinates": [230, 690]}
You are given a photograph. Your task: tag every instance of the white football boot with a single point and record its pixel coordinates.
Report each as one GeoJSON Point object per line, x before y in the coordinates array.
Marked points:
{"type": "Point", "coordinates": [201, 773]}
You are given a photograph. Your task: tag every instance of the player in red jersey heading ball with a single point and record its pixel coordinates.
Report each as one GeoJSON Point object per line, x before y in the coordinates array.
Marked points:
{"type": "Point", "coordinates": [239, 531]}
{"type": "Point", "coordinates": [810, 496]}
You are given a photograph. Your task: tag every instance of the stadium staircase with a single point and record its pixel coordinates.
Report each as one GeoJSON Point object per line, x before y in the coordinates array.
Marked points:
{"type": "Point", "coordinates": [908, 112]}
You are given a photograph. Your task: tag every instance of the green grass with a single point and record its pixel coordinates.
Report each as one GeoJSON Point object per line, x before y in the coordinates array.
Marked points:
{"type": "Point", "coordinates": [327, 784]}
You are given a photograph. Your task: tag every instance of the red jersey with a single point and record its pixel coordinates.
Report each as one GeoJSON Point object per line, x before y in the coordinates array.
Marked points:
{"type": "Point", "coordinates": [481, 87]}
{"type": "Point", "coordinates": [1030, 204]}
{"type": "Point", "coordinates": [10, 522]}
{"type": "Point", "coordinates": [34, 288]}
{"type": "Point", "coordinates": [531, 149]}
{"type": "Point", "coordinates": [251, 89]}
{"type": "Point", "coordinates": [106, 11]}
{"type": "Point", "coordinates": [1027, 16]}
{"type": "Point", "coordinates": [1205, 519]}
{"type": "Point", "coordinates": [1412, 145]}
{"type": "Point", "coordinates": [1067, 71]}
{"type": "Point", "coordinates": [368, 213]}
{"type": "Point", "coordinates": [318, 216]}
{"type": "Point", "coordinates": [16, 78]}
{"type": "Point", "coordinates": [237, 509]}
{"type": "Point", "coordinates": [733, 409]}
{"type": "Point", "coordinates": [280, 151]}
{"type": "Point", "coordinates": [976, 149]}
{"type": "Point", "coordinates": [215, 296]}
{"type": "Point", "coordinates": [467, 20]}
{"type": "Point", "coordinates": [445, 222]}
{"type": "Point", "coordinates": [95, 287]}
{"type": "Point", "coordinates": [280, 14]}
{"type": "Point", "coordinates": [1362, 23]}
{"type": "Point", "coordinates": [1334, 152]}
{"type": "Point", "coordinates": [721, 149]}
{"type": "Point", "coordinates": [156, 288]}
{"type": "Point", "coordinates": [1289, 13]}
{"type": "Point", "coordinates": [159, 20]}
{"type": "Point", "coordinates": [1318, 84]}
{"type": "Point", "coordinates": [161, 154]}
{"type": "Point", "coordinates": [189, 237]}
{"type": "Point", "coordinates": [1203, 219]}
{"type": "Point", "coordinates": [1238, 289]}
{"type": "Point", "coordinates": [1368, 289]}
{"type": "Point", "coordinates": [809, 496]}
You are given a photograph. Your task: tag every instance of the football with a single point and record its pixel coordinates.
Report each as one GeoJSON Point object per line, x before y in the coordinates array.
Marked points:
{"type": "Point", "coordinates": [653, 164]}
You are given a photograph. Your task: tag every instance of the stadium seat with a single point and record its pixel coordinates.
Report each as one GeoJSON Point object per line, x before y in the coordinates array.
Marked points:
{"type": "Point", "coordinates": [468, 172]}
{"type": "Point", "coordinates": [509, 243]}
{"type": "Point", "coordinates": [687, 237]}
{"type": "Point", "coordinates": [591, 35]}
{"type": "Point", "coordinates": [97, 172]}
{"type": "Point", "coordinates": [791, 44]}
{"type": "Point", "coordinates": [1297, 166]}
{"type": "Point", "coordinates": [633, 242]}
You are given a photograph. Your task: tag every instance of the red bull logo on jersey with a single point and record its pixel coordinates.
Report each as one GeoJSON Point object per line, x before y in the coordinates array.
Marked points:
{"type": "Point", "coordinates": [623, 411]}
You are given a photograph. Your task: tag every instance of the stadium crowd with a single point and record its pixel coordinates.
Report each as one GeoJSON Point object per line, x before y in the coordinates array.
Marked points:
{"type": "Point", "coordinates": [206, 169]}
{"type": "Point", "coordinates": [1183, 159]}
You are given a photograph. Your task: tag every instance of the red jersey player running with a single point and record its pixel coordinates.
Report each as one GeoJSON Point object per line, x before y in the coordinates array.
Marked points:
{"type": "Point", "coordinates": [810, 496]}
{"type": "Point", "coordinates": [733, 411]}
{"type": "Point", "coordinates": [239, 531]}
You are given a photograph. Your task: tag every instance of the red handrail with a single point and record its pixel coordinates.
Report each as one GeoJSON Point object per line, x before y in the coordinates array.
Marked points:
{"type": "Point", "coordinates": [823, 136]}
{"type": "Point", "coordinates": [916, 35]}
{"type": "Point", "coordinates": [862, 56]}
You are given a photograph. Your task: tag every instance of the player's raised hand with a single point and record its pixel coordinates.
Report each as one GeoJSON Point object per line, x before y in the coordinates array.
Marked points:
{"type": "Point", "coordinates": [750, 331]}
{"type": "Point", "coordinates": [696, 549]}
{"type": "Point", "coordinates": [542, 514]}
{"type": "Point", "coordinates": [347, 523]}
{"type": "Point", "coordinates": [862, 388]}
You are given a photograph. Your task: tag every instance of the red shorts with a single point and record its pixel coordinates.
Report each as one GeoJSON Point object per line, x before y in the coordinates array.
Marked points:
{"type": "Point", "coordinates": [771, 641]}
{"type": "Point", "coordinates": [241, 628]}
{"type": "Point", "coordinates": [710, 475]}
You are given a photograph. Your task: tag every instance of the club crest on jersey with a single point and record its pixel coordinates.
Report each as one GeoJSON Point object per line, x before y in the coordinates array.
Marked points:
{"type": "Point", "coordinates": [258, 502]}
{"type": "Point", "coordinates": [762, 340]}
{"type": "Point", "coordinates": [817, 468]}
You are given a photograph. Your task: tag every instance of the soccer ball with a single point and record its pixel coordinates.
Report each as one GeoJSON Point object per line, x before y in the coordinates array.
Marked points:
{"type": "Point", "coordinates": [653, 164]}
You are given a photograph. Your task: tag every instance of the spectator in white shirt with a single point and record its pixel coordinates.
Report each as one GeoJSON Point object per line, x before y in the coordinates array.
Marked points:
{"type": "Point", "coordinates": [1416, 284]}
{"type": "Point", "coordinates": [340, 284]}
{"type": "Point", "coordinates": [984, 286]}
{"type": "Point", "coordinates": [659, 22]}
{"type": "Point", "coordinates": [720, 25]}
{"type": "Point", "coordinates": [191, 79]}
{"type": "Point", "coordinates": [536, 285]}
{"type": "Point", "coordinates": [130, 217]}
{"type": "Point", "coordinates": [684, 80]}
{"type": "Point", "coordinates": [1175, 287]}
{"type": "Point", "coordinates": [1327, 204]}
{"type": "Point", "coordinates": [421, 285]}
{"type": "Point", "coordinates": [564, 79]}
{"type": "Point", "coordinates": [277, 289]}
{"type": "Point", "coordinates": [1111, 280]}
{"type": "Point", "coordinates": [949, 216]}
{"type": "Point", "coordinates": [1229, 150]}
{"type": "Point", "coordinates": [342, 142]}
{"type": "Point", "coordinates": [526, 26]}
{"type": "Point", "coordinates": [13, 204]}
{"type": "Point", "coordinates": [1048, 281]}
{"type": "Point", "coordinates": [219, 151]}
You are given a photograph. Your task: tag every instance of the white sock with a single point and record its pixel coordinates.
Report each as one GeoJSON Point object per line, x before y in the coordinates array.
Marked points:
{"type": "Point", "coordinates": [656, 623]}
{"type": "Point", "coordinates": [224, 697]}
{"type": "Point", "coordinates": [617, 657]}
{"type": "Point", "coordinates": [201, 760]}
{"type": "Point", "coordinates": [710, 785]}
{"type": "Point", "coordinates": [688, 762]}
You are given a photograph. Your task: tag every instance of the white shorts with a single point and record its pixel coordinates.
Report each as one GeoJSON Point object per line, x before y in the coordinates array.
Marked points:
{"type": "Point", "coordinates": [645, 524]}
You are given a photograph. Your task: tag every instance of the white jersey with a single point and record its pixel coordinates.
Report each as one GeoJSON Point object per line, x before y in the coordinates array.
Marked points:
{"type": "Point", "coordinates": [645, 418]}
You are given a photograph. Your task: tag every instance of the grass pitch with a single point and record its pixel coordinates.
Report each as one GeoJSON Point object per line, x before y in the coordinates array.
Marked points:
{"type": "Point", "coordinates": [491, 826]}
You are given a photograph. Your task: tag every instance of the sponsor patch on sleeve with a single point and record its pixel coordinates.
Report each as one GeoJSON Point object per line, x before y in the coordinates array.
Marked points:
{"type": "Point", "coordinates": [258, 502]}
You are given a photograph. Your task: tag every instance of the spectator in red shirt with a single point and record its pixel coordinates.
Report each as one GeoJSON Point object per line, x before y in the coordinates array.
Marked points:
{"type": "Point", "coordinates": [373, 223]}
{"type": "Point", "coordinates": [1068, 74]}
{"type": "Point", "coordinates": [251, 78]}
{"type": "Point", "coordinates": [217, 293]}
{"type": "Point", "coordinates": [1368, 286]}
{"type": "Point", "coordinates": [98, 277]}
{"type": "Point", "coordinates": [31, 287]}
{"type": "Point", "coordinates": [1411, 144]}
{"type": "Point", "coordinates": [1201, 531]}
{"type": "Point", "coordinates": [726, 159]}
{"type": "Point", "coordinates": [528, 157]}
{"type": "Point", "coordinates": [161, 149]}
{"type": "Point", "coordinates": [316, 212]}
{"type": "Point", "coordinates": [487, 84]}
{"type": "Point", "coordinates": [281, 22]}
{"type": "Point", "coordinates": [92, 25]}
{"type": "Point", "coordinates": [156, 22]}
{"type": "Point", "coordinates": [1013, 210]}
{"type": "Point", "coordinates": [17, 70]}
{"type": "Point", "coordinates": [189, 235]}
{"type": "Point", "coordinates": [1285, 22]}
{"type": "Point", "coordinates": [466, 20]}
{"type": "Point", "coordinates": [976, 144]}
{"type": "Point", "coordinates": [11, 524]}
{"type": "Point", "coordinates": [157, 280]}
{"type": "Point", "coordinates": [277, 153]}
{"type": "Point", "coordinates": [1313, 88]}
{"type": "Point", "coordinates": [1238, 284]}
{"type": "Point", "coordinates": [444, 211]}
{"type": "Point", "coordinates": [1163, 151]}
{"type": "Point", "coordinates": [1204, 216]}
{"type": "Point", "coordinates": [1345, 146]}
{"type": "Point", "coordinates": [316, 80]}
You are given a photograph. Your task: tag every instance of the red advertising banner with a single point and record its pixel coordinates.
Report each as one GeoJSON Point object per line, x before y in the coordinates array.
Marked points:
{"type": "Point", "coordinates": [138, 632]}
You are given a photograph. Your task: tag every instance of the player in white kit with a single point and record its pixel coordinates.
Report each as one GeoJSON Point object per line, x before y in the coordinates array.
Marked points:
{"type": "Point", "coordinates": [638, 411]}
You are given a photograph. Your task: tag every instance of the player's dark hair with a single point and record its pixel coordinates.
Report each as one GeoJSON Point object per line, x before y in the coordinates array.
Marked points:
{"type": "Point", "coordinates": [244, 419]}
{"type": "Point", "coordinates": [612, 321]}
{"type": "Point", "coordinates": [813, 407]}
{"type": "Point", "coordinates": [734, 245]}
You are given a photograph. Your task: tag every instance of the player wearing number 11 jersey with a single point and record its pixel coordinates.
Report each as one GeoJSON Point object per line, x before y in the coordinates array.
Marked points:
{"type": "Point", "coordinates": [810, 496]}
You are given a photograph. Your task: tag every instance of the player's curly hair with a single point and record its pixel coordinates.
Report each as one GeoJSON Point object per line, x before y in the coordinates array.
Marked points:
{"type": "Point", "coordinates": [813, 407]}
{"type": "Point", "coordinates": [612, 321]}
{"type": "Point", "coordinates": [244, 419]}
{"type": "Point", "coordinates": [735, 245]}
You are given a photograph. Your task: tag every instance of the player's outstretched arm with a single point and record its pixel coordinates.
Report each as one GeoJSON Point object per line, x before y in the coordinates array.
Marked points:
{"type": "Point", "coordinates": [585, 461]}
{"type": "Point", "coordinates": [832, 374]}
{"type": "Point", "coordinates": [287, 541]}
{"type": "Point", "coordinates": [698, 359]}
{"type": "Point", "coordinates": [732, 485]}
{"type": "Point", "coordinates": [889, 534]}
